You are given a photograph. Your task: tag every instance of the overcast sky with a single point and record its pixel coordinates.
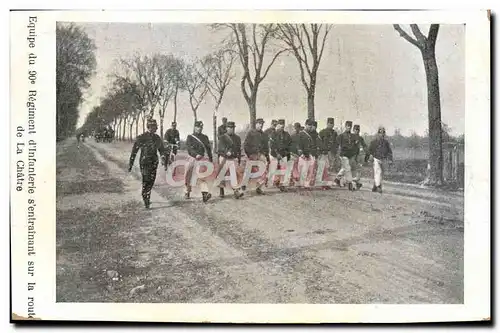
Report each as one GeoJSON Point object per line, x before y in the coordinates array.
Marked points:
{"type": "Point", "coordinates": [368, 74]}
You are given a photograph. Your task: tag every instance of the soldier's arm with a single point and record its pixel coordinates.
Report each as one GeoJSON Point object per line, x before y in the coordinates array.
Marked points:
{"type": "Point", "coordinates": [177, 138]}
{"type": "Point", "coordinates": [189, 145]}
{"type": "Point", "coordinates": [162, 150]}
{"type": "Point", "coordinates": [389, 151]}
{"type": "Point", "coordinates": [209, 149]}
{"type": "Point", "coordinates": [135, 149]}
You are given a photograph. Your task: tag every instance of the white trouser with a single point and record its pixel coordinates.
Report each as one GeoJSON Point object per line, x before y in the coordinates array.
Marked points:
{"type": "Point", "coordinates": [345, 171]}
{"type": "Point", "coordinates": [222, 162]}
{"type": "Point", "coordinates": [189, 173]}
{"type": "Point", "coordinates": [306, 171]}
{"type": "Point", "coordinates": [378, 170]}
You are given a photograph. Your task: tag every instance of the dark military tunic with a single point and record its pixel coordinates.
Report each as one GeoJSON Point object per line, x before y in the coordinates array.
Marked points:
{"type": "Point", "coordinates": [172, 137]}
{"type": "Point", "coordinates": [195, 147]}
{"type": "Point", "coordinates": [280, 143]}
{"type": "Point", "coordinates": [230, 143]}
{"type": "Point", "coordinates": [306, 145]}
{"type": "Point", "coordinates": [328, 138]}
{"type": "Point", "coordinates": [316, 143]}
{"type": "Point", "coordinates": [256, 142]}
{"type": "Point", "coordinates": [359, 142]}
{"type": "Point", "coordinates": [380, 149]}
{"type": "Point", "coordinates": [347, 144]}
{"type": "Point", "coordinates": [149, 144]}
{"type": "Point", "coordinates": [221, 130]}
{"type": "Point", "coordinates": [294, 147]}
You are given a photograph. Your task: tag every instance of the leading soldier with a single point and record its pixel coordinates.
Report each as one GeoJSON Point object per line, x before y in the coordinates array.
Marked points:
{"type": "Point", "coordinates": [150, 144]}
{"type": "Point", "coordinates": [229, 151]}
{"type": "Point", "coordinates": [328, 138]}
{"type": "Point", "coordinates": [256, 148]}
{"type": "Point", "coordinates": [198, 147]}
{"type": "Point", "coordinates": [280, 144]}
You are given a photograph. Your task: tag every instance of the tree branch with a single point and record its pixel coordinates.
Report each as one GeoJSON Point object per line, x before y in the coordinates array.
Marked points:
{"type": "Point", "coordinates": [420, 36]}
{"type": "Point", "coordinates": [403, 34]}
{"type": "Point", "coordinates": [433, 32]}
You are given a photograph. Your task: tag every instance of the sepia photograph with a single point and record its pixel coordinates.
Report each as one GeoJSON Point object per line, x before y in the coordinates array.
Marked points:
{"type": "Point", "coordinates": [267, 161]}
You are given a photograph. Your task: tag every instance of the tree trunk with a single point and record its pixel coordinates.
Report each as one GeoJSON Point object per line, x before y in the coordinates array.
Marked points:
{"type": "Point", "coordinates": [161, 125]}
{"type": "Point", "coordinates": [215, 130]}
{"type": "Point", "coordinates": [310, 104]}
{"type": "Point", "coordinates": [434, 109]}
{"type": "Point", "coordinates": [137, 128]}
{"type": "Point", "coordinates": [124, 128]}
{"type": "Point", "coordinates": [130, 130]}
{"type": "Point", "coordinates": [252, 107]}
{"type": "Point", "coordinates": [175, 105]}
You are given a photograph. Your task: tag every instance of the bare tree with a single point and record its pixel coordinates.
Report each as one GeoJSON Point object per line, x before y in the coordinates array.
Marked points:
{"type": "Point", "coordinates": [147, 72]}
{"type": "Point", "coordinates": [427, 46]}
{"type": "Point", "coordinates": [306, 42]}
{"type": "Point", "coordinates": [176, 72]}
{"type": "Point", "coordinates": [194, 81]}
{"type": "Point", "coordinates": [251, 43]}
{"type": "Point", "coordinates": [169, 81]}
{"type": "Point", "coordinates": [219, 70]}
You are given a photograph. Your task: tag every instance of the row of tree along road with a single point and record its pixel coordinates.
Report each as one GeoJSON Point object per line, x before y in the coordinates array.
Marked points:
{"type": "Point", "coordinates": [143, 86]}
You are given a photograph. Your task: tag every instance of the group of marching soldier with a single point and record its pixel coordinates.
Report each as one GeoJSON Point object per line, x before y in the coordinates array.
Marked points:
{"type": "Point", "coordinates": [305, 147]}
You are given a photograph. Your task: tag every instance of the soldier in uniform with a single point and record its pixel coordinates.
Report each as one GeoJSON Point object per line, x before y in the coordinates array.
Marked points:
{"type": "Point", "coordinates": [270, 131]}
{"type": "Point", "coordinates": [360, 144]}
{"type": "Point", "coordinates": [229, 151]}
{"type": "Point", "coordinates": [172, 138]}
{"type": "Point", "coordinates": [294, 151]}
{"type": "Point", "coordinates": [328, 138]}
{"type": "Point", "coordinates": [150, 144]}
{"type": "Point", "coordinates": [198, 147]}
{"type": "Point", "coordinates": [256, 147]}
{"type": "Point", "coordinates": [381, 151]}
{"type": "Point", "coordinates": [348, 151]}
{"type": "Point", "coordinates": [280, 144]}
{"type": "Point", "coordinates": [306, 150]}
{"type": "Point", "coordinates": [222, 129]}
{"type": "Point", "coordinates": [317, 140]}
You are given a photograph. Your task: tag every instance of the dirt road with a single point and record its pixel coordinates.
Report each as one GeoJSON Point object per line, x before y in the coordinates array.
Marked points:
{"type": "Point", "coordinates": [336, 246]}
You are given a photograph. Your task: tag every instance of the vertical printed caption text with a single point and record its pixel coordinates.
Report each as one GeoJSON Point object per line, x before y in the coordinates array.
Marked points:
{"type": "Point", "coordinates": [26, 160]}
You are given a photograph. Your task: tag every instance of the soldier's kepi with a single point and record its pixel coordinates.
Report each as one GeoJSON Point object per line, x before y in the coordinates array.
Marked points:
{"type": "Point", "coordinates": [150, 144]}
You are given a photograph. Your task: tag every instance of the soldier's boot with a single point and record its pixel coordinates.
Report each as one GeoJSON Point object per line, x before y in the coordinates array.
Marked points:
{"type": "Point", "coordinates": [187, 195]}
{"type": "Point", "coordinates": [374, 188]}
{"type": "Point", "coordinates": [337, 182]}
{"type": "Point", "coordinates": [221, 192]}
{"type": "Point", "coordinates": [282, 188]}
{"type": "Point", "coordinates": [358, 185]}
{"type": "Point", "coordinates": [243, 187]}
{"type": "Point", "coordinates": [238, 194]}
{"type": "Point", "coordinates": [379, 189]}
{"type": "Point", "coordinates": [259, 191]}
{"type": "Point", "coordinates": [206, 196]}
{"type": "Point", "coordinates": [349, 185]}
{"type": "Point", "coordinates": [147, 202]}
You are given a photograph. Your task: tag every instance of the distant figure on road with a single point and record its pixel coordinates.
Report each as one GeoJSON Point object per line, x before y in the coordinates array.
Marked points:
{"type": "Point", "coordinates": [150, 144]}
{"type": "Point", "coordinates": [381, 151]}
{"type": "Point", "coordinates": [328, 138]}
{"type": "Point", "coordinates": [360, 143]}
{"type": "Point", "coordinates": [222, 129]}
{"type": "Point", "coordinates": [229, 151]}
{"type": "Point", "coordinates": [347, 145]}
{"type": "Point", "coordinates": [198, 147]}
{"type": "Point", "coordinates": [256, 148]}
{"type": "Point", "coordinates": [172, 140]}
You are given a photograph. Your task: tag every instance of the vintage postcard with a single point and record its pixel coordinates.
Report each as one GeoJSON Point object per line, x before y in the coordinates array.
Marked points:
{"type": "Point", "coordinates": [250, 166]}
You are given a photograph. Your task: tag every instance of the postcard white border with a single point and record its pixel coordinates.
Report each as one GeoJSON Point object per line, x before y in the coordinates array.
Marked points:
{"type": "Point", "coordinates": [477, 177]}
